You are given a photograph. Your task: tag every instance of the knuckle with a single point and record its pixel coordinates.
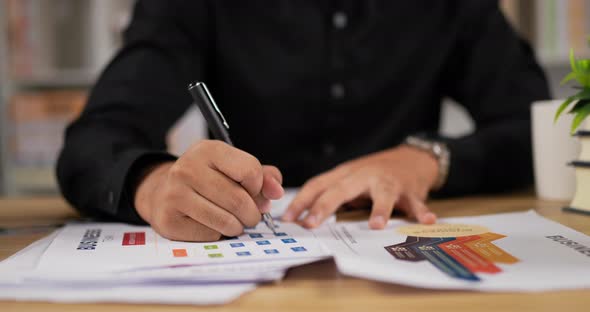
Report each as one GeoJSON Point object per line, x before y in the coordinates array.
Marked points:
{"type": "Point", "coordinates": [165, 228]}
{"type": "Point", "coordinates": [343, 187]}
{"type": "Point", "coordinates": [388, 186]}
{"type": "Point", "coordinates": [245, 209]}
{"type": "Point", "coordinates": [323, 205]}
{"type": "Point", "coordinates": [389, 183]}
{"type": "Point", "coordinates": [209, 147]}
{"type": "Point", "coordinates": [167, 222]}
{"type": "Point", "coordinates": [252, 169]}
{"type": "Point", "coordinates": [314, 183]}
{"type": "Point", "coordinates": [208, 144]}
{"type": "Point", "coordinates": [345, 168]}
{"type": "Point", "coordinates": [230, 226]}
{"type": "Point", "coordinates": [204, 234]}
{"type": "Point", "coordinates": [210, 236]}
{"type": "Point", "coordinates": [252, 220]}
{"type": "Point", "coordinates": [170, 197]}
{"type": "Point", "coordinates": [238, 201]}
{"type": "Point", "coordinates": [178, 172]}
{"type": "Point", "coordinates": [241, 202]}
{"type": "Point", "coordinates": [201, 146]}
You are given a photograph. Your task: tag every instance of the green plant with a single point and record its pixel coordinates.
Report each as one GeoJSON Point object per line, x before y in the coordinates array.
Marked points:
{"type": "Point", "coordinates": [580, 101]}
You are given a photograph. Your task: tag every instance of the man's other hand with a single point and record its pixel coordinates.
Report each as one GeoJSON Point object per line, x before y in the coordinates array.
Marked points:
{"type": "Point", "coordinates": [397, 178]}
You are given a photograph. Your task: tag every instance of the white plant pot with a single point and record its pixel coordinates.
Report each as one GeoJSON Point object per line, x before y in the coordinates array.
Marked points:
{"type": "Point", "coordinates": [553, 149]}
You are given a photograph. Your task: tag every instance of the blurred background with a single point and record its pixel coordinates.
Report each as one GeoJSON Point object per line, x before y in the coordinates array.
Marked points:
{"type": "Point", "coordinates": [51, 52]}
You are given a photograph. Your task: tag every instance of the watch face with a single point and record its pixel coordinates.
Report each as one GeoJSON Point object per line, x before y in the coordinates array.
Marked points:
{"type": "Point", "coordinates": [436, 149]}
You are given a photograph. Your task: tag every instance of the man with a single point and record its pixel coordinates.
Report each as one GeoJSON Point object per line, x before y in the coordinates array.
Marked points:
{"type": "Point", "coordinates": [342, 97]}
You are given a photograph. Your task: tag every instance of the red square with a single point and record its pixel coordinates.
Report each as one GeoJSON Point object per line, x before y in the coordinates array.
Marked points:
{"type": "Point", "coordinates": [134, 238]}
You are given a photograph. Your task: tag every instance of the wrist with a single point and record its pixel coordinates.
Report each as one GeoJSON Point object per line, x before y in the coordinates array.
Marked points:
{"type": "Point", "coordinates": [146, 185]}
{"type": "Point", "coordinates": [426, 166]}
{"type": "Point", "coordinates": [438, 151]}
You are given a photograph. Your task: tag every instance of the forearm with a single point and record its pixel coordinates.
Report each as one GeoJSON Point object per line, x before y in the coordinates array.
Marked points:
{"type": "Point", "coordinates": [94, 170]}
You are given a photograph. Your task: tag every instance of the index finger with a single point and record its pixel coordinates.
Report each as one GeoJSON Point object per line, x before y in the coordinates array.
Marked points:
{"type": "Point", "coordinates": [310, 191]}
{"type": "Point", "coordinates": [236, 164]}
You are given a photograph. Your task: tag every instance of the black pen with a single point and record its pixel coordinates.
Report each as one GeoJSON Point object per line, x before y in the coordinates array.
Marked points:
{"type": "Point", "coordinates": [217, 124]}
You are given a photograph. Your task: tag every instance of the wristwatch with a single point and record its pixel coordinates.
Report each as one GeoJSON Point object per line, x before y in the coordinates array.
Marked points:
{"type": "Point", "coordinates": [439, 151]}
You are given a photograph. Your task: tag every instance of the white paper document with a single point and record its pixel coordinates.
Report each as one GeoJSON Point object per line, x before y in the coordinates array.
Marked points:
{"type": "Point", "coordinates": [504, 252]}
{"type": "Point", "coordinates": [114, 247]}
{"type": "Point", "coordinates": [25, 262]}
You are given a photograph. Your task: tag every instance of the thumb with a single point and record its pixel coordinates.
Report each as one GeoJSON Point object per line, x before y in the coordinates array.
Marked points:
{"type": "Point", "coordinates": [271, 185]}
{"type": "Point", "coordinates": [271, 188]}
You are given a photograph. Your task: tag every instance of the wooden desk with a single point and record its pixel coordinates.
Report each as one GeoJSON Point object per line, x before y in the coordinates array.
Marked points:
{"type": "Point", "coordinates": [318, 286]}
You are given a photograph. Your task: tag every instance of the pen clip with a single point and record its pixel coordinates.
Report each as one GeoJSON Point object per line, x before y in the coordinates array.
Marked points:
{"type": "Point", "coordinates": [214, 105]}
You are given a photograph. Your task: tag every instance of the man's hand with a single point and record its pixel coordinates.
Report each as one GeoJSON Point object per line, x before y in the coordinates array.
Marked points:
{"type": "Point", "coordinates": [399, 177]}
{"type": "Point", "coordinates": [214, 189]}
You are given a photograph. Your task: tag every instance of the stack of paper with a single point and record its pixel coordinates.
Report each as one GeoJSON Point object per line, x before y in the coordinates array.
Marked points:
{"type": "Point", "coordinates": [124, 263]}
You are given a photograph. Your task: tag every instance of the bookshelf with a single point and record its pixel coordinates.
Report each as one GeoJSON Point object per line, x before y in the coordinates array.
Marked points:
{"type": "Point", "coordinates": [52, 50]}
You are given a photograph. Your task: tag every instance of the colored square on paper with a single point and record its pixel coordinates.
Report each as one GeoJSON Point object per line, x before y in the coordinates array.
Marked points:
{"type": "Point", "coordinates": [280, 234]}
{"type": "Point", "coordinates": [255, 235]}
{"type": "Point", "coordinates": [215, 255]}
{"type": "Point", "coordinates": [243, 253]}
{"type": "Point", "coordinates": [236, 245]}
{"type": "Point", "coordinates": [288, 240]}
{"type": "Point", "coordinates": [298, 249]}
{"type": "Point", "coordinates": [209, 247]}
{"type": "Point", "coordinates": [271, 251]}
{"type": "Point", "coordinates": [133, 239]}
{"type": "Point", "coordinates": [264, 242]}
{"type": "Point", "coordinates": [178, 253]}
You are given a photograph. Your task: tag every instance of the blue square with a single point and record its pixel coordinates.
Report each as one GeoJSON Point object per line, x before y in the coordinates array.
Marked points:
{"type": "Point", "coordinates": [255, 235]}
{"type": "Point", "coordinates": [264, 242]}
{"type": "Point", "coordinates": [243, 253]}
{"type": "Point", "coordinates": [235, 245]}
{"type": "Point", "coordinates": [288, 240]}
{"type": "Point", "coordinates": [271, 251]}
{"type": "Point", "coordinates": [281, 234]}
{"type": "Point", "coordinates": [298, 249]}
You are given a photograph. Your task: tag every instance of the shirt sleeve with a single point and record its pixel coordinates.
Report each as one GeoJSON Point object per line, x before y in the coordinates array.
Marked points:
{"type": "Point", "coordinates": [138, 97]}
{"type": "Point", "coordinates": [492, 72]}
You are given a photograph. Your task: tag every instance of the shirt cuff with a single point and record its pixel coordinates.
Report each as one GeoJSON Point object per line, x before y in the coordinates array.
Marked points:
{"type": "Point", "coordinates": [465, 165]}
{"type": "Point", "coordinates": [120, 189]}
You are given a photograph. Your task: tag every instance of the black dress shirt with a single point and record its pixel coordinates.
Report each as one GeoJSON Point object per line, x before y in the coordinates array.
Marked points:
{"type": "Point", "coordinates": [306, 85]}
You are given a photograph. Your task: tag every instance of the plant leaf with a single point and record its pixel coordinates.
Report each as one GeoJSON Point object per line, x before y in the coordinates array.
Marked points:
{"type": "Point", "coordinates": [562, 108]}
{"type": "Point", "coordinates": [582, 95]}
{"type": "Point", "coordinates": [569, 77]}
{"type": "Point", "coordinates": [581, 113]}
{"type": "Point", "coordinates": [578, 106]}
{"type": "Point", "coordinates": [573, 61]}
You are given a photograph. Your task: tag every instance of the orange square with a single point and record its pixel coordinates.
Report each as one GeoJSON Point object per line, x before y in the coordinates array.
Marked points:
{"type": "Point", "coordinates": [179, 253]}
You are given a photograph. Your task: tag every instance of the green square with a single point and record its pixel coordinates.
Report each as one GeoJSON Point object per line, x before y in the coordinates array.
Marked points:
{"type": "Point", "coordinates": [216, 255]}
{"type": "Point", "coordinates": [211, 247]}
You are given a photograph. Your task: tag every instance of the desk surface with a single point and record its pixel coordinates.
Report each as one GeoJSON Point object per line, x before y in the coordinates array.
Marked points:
{"type": "Point", "coordinates": [319, 286]}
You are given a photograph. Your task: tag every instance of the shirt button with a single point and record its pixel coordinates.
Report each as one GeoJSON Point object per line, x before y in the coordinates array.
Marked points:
{"type": "Point", "coordinates": [339, 20]}
{"type": "Point", "coordinates": [337, 91]}
{"type": "Point", "coordinates": [328, 149]}
{"type": "Point", "coordinates": [111, 197]}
